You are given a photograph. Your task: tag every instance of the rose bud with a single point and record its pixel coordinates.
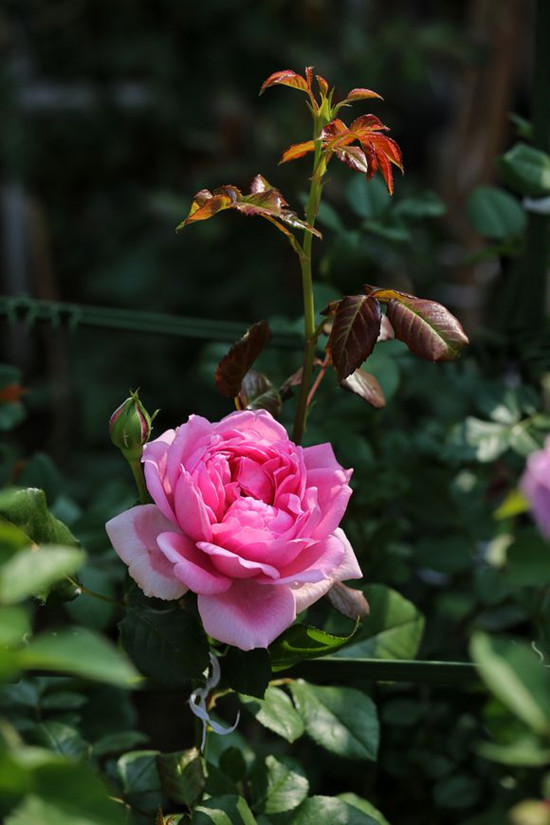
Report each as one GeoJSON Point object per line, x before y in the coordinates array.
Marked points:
{"type": "Point", "coordinates": [130, 427]}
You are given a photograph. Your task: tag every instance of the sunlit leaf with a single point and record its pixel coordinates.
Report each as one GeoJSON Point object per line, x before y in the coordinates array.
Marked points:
{"type": "Point", "coordinates": [359, 94]}
{"type": "Point", "coordinates": [300, 642]}
{"type": "Point", "coordinates": [275, 712]}
{"type": "Point", "coordinates": [513, 672]}
{"type": "Point", "coordinates": [223, 810]}
{"type": "Point", "coordinates": [233, 367]}
{"type": "Point", "coordinates": [263, 200]}
{"type": "Point", "coordinates": [329, 810]}
{"type": "Point", "coordinates": [297, 150]}
{"type": "Point", "coordinates": [285, 78]}
{"type": "Point", "coordinates": [277, 785]}
{"type": "Point", "coordinates": [340, 719]}
{"type": "Point", "coordinates": [366, 386]}
{"type": "Point", "coordinates": [354, 333]}
{"type": "Point", "coordinates": [31, 572]}
{"type": "Point", "coordinates": [182, 776]}
{"type": "Point", "coordinates": [426, 327]}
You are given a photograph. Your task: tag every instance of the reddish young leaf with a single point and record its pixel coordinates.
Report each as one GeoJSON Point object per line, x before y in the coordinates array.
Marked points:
{"type": "Point", "coordinates": [348, 601]}
{"type": "Point", "coordinates": [360, 94]}
{"type": "Point", "coordinates": [233, 367]}
{"type": "Point", "coordinates": [366, 385]}
{"type": "Point", "coordinates": [323, 85]}
{"type": "Point", "coordinates": [354, 158]}
{"type": "Point", "coordinates": [286, 78]}
{"type": "Point", "coordinates": [354, 332]}
{"type": "Point", "coordinates": [263, 200]}
{"type": "Point", "coordinates": [426, 327]}
{"type": "Point", "coordinates": [297, 150]}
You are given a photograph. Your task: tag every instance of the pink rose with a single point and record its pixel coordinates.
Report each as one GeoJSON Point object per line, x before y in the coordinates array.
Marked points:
{"type": "Point", "coordinates": [243, 517]}
{"type": "Point", "coordinates": [535, 485]}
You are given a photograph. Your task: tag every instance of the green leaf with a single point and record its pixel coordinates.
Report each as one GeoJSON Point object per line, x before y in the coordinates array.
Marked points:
{"type": "Point", "coordinates": [247, 671]}
{"type": "Point", "coordinates": [425, 205]}
{"type": "Point", "coordinates": [513, 673]}
{"type": "Point", "coordinates": [139, 777]}
{"type": "Point", "coordinates": [223, 810]}
{"type": "Point", "coordinates": [14, 625]}
{"type": "Point", "coordinates": [426, 327]}
{"type": "Point", "coordinates": [527, 560]}
{"type": "Point", "coordinates": [457, 792]}
{"type": "Point", "coordinates": [82, 653]}
{"type": "Point", "coordinates": [31, 572]}
{"type": "Point", "coordinates": [300, 642]}
{"type": "Point", "coordinates": [484, 441]}
{"type": "Point", "coordinates": [392, 630]}
{"type": "Point", "coordinates": [66, 793]}
{"type": "Point", "coordinates": [365, 806]}
{"type": "Point", "coordinates": [276, 712]}
{"type": "Point", "coordinates": [278, 785]}
{"type": "Point", "coordinates": [354, 333]}
{"type": "Point", "coordinates": [169, 646]}
{"type": "Point", "coordinates": [28, 510]}
{"type": "Point", "coordinates": [525, 750]}
{"type": "Point", "coordinates": [233, 367]}
{"type": "Point", "coordinates": [15, 782]}
{"type": "Point", "coordinates": [495, 214]}
{"type": "Point", "coordinates": [340, 719]}
{"type": "Point", "coordinates": [526, 169]}
{"type": "Point", "coordinates": [329, 810]}
{"type": "Point", "coordinates": [233, 763]}
{"type": "Point", "coordinates": [368, 199]}
{"type": "Point", "coordinates": [61, 739]}
{"type": "Point", "coordinates": [113, 743]}
{"type": "Point", "coordinates": [182, 776]}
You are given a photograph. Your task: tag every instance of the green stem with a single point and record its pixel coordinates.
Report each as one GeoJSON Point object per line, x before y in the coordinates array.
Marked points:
{"type": "Point", "coordinates": [137, 472]}
{"type": "Point", "coordinates": [310, 332]}
{"type": "Point", "coordinates": [92, 593]}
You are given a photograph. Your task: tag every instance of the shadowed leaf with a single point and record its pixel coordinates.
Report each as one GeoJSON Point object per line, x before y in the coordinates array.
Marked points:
{"type": "Point", "coordinates": [258, 393]}
{"type": "Point", "coordinates": [354, 333]}
{"type": "Point", "coordinates": [426, 327]}
{"type": "Point", "coordinates": [301, 642]}
{"type": "Point", "coordinates": [365, 385]}
{"type": "Point", "coordinates": [233, 367]}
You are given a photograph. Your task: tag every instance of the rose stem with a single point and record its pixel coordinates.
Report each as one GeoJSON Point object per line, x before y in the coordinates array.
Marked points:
{"type": "Point", "coordinates": [319, 166]}
{"type": "Point", "coordinates": [137, 472]}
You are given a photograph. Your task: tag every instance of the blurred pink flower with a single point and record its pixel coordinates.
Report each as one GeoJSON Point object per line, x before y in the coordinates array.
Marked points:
{"type": "Point", "coordinates": [243, 517]}
{"type": "Point", "coordinates": [535, 485]}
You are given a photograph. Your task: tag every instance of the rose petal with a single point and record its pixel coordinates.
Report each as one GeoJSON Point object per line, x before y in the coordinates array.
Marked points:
{"type": "Point", "coordinates": [348, 568]}
{"type": "Point", "coordinates": [155, 457]}
{"type": "Point", "coordinates": [190, 509]}
{"type": "Point", "coordinates": [320, 456]}
{"type": "Point", "coordinates": [188, 446]}
{"type": "Point", "coordinates": [333, 494]}
{"type": "Point", "coordinates": [254, 425]}
{"type": "Point", "coordinates": [249, 615]}
{"type": "Point", "coordinates": [232, 565]}
{"type": "Point", "coordinates": [134, 534]}
{"type": "Point", "coordinates": [191, 566]}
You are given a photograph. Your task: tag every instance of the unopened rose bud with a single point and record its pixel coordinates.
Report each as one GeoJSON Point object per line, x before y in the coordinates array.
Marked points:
{"type": "Point", "coordinates": [130, 427]}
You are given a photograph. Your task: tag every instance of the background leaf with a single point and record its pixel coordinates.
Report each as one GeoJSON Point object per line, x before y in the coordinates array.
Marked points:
{"type": "Point", "coordinates": [342, 720]}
